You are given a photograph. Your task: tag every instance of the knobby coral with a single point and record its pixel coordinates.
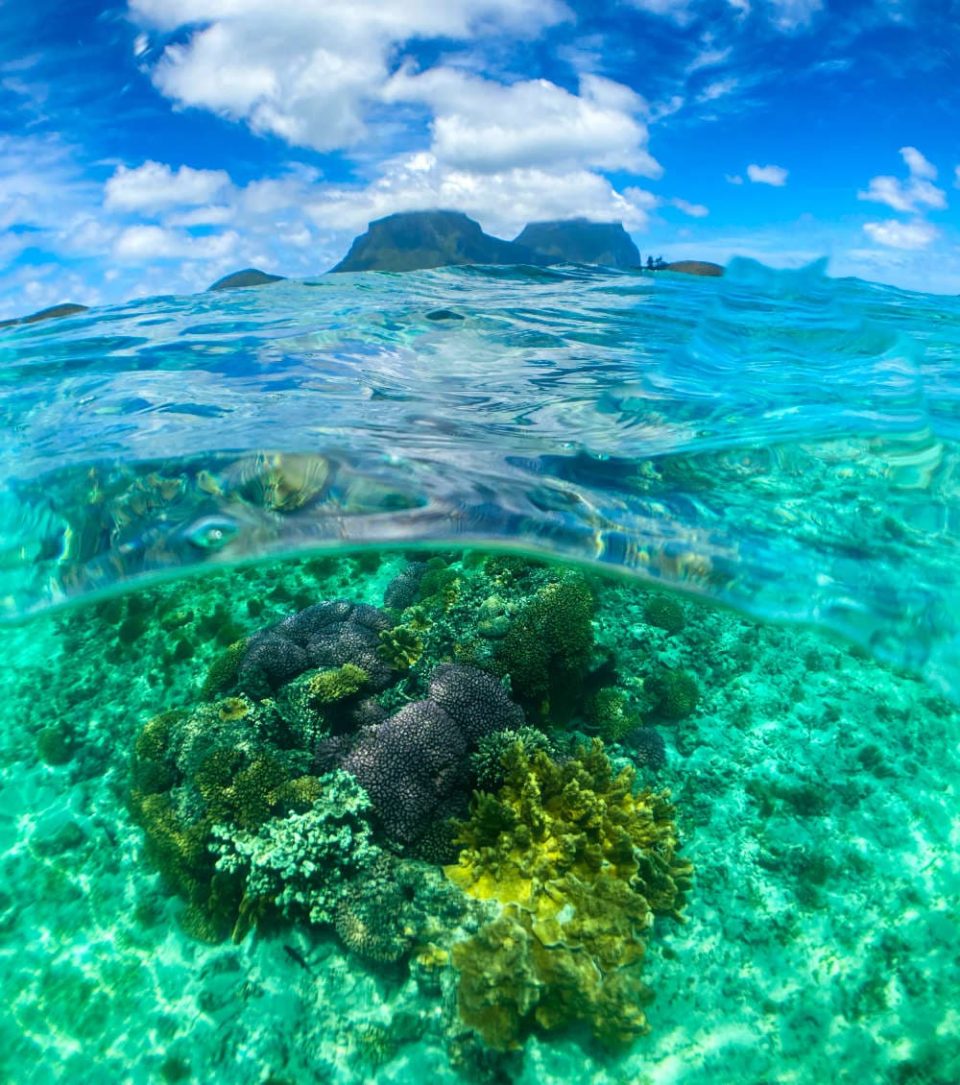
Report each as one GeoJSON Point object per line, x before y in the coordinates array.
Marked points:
{"type": "Point", "coordinates": [416, 763]}
{"type": "Point", "coordinates": [580, 863]}
{"type": "Point", "coordinates": [324, 636]}
{"type": "Point", "coordinates": [547, 648]}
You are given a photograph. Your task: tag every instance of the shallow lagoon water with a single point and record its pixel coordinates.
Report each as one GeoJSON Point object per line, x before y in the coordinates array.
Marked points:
{"type": "Point", "coordinates": [779, 442]}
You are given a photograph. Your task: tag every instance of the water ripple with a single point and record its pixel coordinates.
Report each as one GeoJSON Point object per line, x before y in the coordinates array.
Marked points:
{"type": "Point", "coordinates": [780, 441]}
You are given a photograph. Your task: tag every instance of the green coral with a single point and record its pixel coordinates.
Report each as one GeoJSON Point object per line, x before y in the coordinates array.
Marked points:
{"type": "Point", "coordinates": [607, 713]}
{"type": "Point", "coordinates": [665, 613]}
{"type": "Point", "coordinates": [401, 646]}
{"type": "Point", "coordinates": [675, 693]}
{"type": "Point", "coordinates": [394, 906]}
{"type": "Point", "coordinates": [579, 864]}
{"type": "Point", "coordinates": [222, 674]}
{"type": "Point", "coordinates": [300, 863]}
{"type": "Point", "coordinates": [547, 649]}
{"type": "Point", "coordinates": [491, 758]}
{"type": "Point", "coordinates": [328, 687]}
{"type": "Point", "coordinates": [223, 763]}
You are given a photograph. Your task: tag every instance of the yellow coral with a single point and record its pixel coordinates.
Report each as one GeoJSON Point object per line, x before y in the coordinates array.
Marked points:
{"type": "Point", "coordinates": [234, 708]}
{"type": "Point", "coordinates": [580, 864]}
{"type": "Point", "coordinates": [328, 687]}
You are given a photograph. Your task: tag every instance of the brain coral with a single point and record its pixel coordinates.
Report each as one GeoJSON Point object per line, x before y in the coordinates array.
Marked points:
{"type": "Point", "coordinates": [580, 864]}
{"type": "Point", "coordinates": [413, 762]}
{"type": "Point", "coordinates": [325, 636]}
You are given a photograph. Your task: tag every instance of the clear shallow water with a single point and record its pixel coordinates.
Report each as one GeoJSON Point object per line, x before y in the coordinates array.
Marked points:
{"type": "Point", "coordinates": [779, 441]}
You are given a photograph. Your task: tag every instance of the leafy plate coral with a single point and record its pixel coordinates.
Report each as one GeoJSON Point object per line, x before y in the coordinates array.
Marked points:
{"type": "Point", "coordinates": [580, 864]}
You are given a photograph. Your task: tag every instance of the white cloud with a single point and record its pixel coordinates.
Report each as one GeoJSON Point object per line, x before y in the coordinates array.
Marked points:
{"type": "Point", "coordinates": [956, 177]}
{"type": "Point", "coordinates": [733, 178]}
{"type": "Point", "coordinates": [694, 210]}
{"type": "Point", "coordinates": [486, 126]}
{"type": "Point", "coordinates": [708, 57]}
{"type": "Point", "coordinates": [308, 71]}
{"type": "Point", "coordinates": [790, 15]}
{"type": "Point", "coordinates": [502, 201]}
{"type": "Point", "coordinates": [902, 235]}
{"type": "Point", "coordinates": [154, 186]}
{"type": "Point", "coordinates": [910, 195]}
{"type": "Point", "coordinates": [767, 175]}
{"type": "Point", "coordinates": [677, 10]}
{"type": "Point", "coordinates": [719, 88]}
{"type": "Point", "coordinates": [917, 164]}
{"type": "Point", "coordinates": [159, 243]}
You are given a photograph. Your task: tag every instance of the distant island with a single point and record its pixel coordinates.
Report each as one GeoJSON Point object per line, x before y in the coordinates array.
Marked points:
{"type": "Point", "coordinates": [579, 241]}
{"type": "Point", "coordinates": [250, 276]}
{"type": "Point", "coordinates": [419, 240]}
{"type": "Point", "coordinates": [67, 308]}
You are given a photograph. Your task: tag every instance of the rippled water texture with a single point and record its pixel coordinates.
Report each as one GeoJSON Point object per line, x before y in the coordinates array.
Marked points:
{"type": "Point", "coordinates": [780, 441]}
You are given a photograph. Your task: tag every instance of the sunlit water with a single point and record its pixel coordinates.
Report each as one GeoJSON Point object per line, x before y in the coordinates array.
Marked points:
{"type": "Point", "coordinates": [778, 442]}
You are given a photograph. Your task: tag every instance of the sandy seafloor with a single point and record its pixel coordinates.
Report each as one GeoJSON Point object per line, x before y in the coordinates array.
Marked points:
{"type": "Point", "coordinates": [817, 792]}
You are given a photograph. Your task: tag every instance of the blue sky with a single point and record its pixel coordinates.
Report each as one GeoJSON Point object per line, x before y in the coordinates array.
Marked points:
{"type": "Point", "coordinates": [150, 146]}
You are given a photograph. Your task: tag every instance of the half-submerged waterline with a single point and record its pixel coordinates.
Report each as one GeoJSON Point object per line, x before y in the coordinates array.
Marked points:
{"type": "Point", "coordinates": [686, 846]}
{"type": "Point", "coordinates": [779, 441]}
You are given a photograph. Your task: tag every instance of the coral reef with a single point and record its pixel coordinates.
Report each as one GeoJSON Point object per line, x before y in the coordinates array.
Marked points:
{"type": "Point", "coordinates": [607, 713]}
{"type": "Point", "coordinates": [546, 649]}
{"type": "Point", "coordinates": [675, 694]}
{"type": "Point", "coordinates": [415, 765]}
{"type": "Point", "coordinates": [579, 863]}
{"type": "Point", "coordinates": [394, 906]}
{"type": "Point", "coordinates": [665, 613]}
{"type": "Point", "coordinates": [300, 863]}
{"type": "Point", "coordinates": [646, 747]}
{"type": "Point", "coordinates": [490, 760]}
{"type": "Point", "coordinates": [222, 764]}
{"type": "Point", "coordinates": [324, 636]}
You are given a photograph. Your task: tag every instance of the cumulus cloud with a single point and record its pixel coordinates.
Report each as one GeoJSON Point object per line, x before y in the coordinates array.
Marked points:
{"type": "Point", "coordinates": [503, 201]}
{"type": "Point", "coordinates": [733, 178]}
{"type": "Point", "coordinates": [902, 235]}
{"type": "Point", "coordinates": [767, 175]}
{"type": "Point", "coordinates": [308, 71]}
{"type": "Point", "coordinates": [915, 192]}
{"type": "Point", "coordinates": [154, 186]}
{"type": "Point", "coordinates": [142, 243]}
{"type": "Point", "coordinates": [488, 127]}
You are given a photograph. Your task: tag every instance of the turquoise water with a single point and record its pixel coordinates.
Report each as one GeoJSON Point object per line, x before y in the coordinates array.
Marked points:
{"type": "Point", "coordinates": [775, 450]}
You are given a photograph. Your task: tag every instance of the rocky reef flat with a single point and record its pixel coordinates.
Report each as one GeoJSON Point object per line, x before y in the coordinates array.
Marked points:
{"type": "Point", "coordinates": [811, 791]}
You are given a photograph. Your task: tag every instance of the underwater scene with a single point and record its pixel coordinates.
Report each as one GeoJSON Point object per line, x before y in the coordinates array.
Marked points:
{"type": "Point", "coordinates": [505, 675]}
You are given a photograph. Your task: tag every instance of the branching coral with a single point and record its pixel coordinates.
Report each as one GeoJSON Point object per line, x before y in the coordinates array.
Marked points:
{"type": "Point", "coordinates": [580, 864]}
{"type": "Point", "coordinates": [300, 863]}
{"type": "Point", "coordinates": [221, 764]}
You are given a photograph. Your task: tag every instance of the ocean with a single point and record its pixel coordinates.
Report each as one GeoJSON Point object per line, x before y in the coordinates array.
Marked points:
{"type": "Point", "coordinates": [501, 674]}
